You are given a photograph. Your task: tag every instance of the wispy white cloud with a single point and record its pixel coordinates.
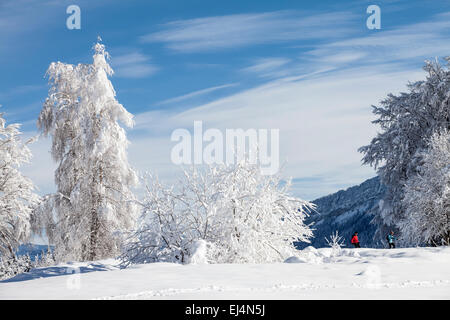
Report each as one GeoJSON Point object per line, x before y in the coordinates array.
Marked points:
{"type": "Point", "coordinates": [133, 65]}
{"type": "Point", "coordinates": [241, 30]}
{"type": "Point", "coordinates": [397, 47]}
{"type": "Point", "coordinates": [197, 93]}
{"type": "Point", "coordinates": [413, 42]}
{"type": "Point", "coordinates": [23, 111]}
{"type": "Point", "coordinates": [268, 67]}
{"type": "Point", "coordinates": [20, 90]}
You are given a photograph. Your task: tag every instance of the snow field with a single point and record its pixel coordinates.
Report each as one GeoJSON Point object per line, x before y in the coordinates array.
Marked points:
{"type": "Point", "coordinates": [411, 273]}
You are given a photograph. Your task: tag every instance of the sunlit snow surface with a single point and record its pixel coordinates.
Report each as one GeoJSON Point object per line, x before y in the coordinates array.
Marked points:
{"type": "Point", "coordinates": [412, 273]}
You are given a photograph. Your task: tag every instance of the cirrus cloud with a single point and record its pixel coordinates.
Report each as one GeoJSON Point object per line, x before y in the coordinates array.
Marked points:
{"type": "Point", "coordinates": [133, 65]}
{"type": "Point", "coordinates": [239, 30]}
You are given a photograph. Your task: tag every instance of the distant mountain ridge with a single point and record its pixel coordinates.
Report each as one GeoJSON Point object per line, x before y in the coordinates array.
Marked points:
{"type": "Point", "coordinates": [347, 211]}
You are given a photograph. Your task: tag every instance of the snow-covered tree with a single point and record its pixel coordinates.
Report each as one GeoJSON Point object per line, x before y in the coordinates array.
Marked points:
{"type": "Point", "coordinates": [427, 196]}
{"type": "Point", "coordinates": [161, 234]}
{"type": "Point", "coordinates": [93, 204]}
{"type": "Point", "coordinates": [17, 196]}
{"type": "Point", "coordinates": [335, 241]}
{"type": "Point", "coordinates": [407, 121]}
{"type": "Point", "coordinates": [241, 215]}
{"type": "Point", "coordinates": [12, 266]}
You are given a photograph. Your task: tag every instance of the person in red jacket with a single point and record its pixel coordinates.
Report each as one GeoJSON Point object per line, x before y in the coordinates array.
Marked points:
{"type": "Point", "coordinates": [355, 240]}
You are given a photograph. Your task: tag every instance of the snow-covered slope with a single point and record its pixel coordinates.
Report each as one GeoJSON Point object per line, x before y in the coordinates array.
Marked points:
{"type": "Point", "coordinates": [347, 211]}
{"type": "Point", "coordinates": [352, 274]}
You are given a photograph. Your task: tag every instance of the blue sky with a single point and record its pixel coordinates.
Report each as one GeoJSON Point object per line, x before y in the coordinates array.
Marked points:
{"type": "Point", "coordinates": [310, 68]}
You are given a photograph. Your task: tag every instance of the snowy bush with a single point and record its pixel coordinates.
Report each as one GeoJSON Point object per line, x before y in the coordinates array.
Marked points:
{"type": "Point", "coordinates": [335, 242]}
{"type": "Point", "coordinates": [12, 266]}
{"type": "Point", "coordinates": [161, 234]}
{"type": "Point", "coordinates": [45, 259]}
{"type": "Point", "coordinates": [199, 253]}
{"type": "Point", "coordinates": [247, 217]}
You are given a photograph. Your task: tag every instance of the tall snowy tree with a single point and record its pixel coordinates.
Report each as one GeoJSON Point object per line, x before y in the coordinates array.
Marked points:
{"type": "Point", "coordinates": [17, 197]}
{"type": "Point", "coordinates": [243, 216]}
{"type": "Point", "coordinates": [94, 203]}
{"type": "Point", "coordinates": [407, 121]}
{"type": "Point", "coordinates": [427, 196]}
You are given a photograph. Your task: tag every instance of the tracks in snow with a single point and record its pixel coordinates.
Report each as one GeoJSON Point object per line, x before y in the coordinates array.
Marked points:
{"type": "Point", "coordinates": [171, 292]}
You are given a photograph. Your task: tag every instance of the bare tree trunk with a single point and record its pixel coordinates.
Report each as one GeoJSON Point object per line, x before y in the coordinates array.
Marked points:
{"type": "Point", "coordinates": [95, 219]}
{"type": "Point", "coordinates": [9, 247]}
{"type": "Point", "coordinates": [93, 234]}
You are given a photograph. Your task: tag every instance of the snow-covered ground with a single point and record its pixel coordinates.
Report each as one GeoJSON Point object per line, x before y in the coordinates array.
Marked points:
{"type": "Point", "coordinates": [412, 273]}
